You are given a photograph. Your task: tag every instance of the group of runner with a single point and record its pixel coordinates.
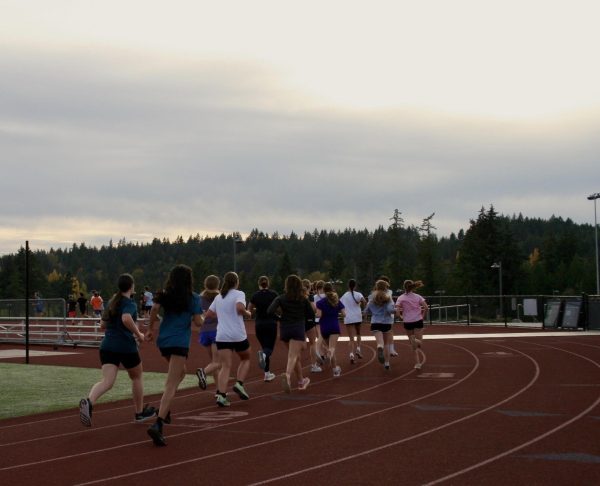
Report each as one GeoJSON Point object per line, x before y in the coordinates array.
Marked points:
{"type": "Point", "coordinates": [306, 312]}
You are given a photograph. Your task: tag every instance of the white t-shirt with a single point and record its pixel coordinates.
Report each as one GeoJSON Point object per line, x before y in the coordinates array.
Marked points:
{"type": "Point", "coordinates": [353, 310]}
{"type": "Point", "coordinates": [230, 328]}
{"type": "Point", "coordinates": [317, 298]}
{"type": "Point", "coordinates": [148, 299]}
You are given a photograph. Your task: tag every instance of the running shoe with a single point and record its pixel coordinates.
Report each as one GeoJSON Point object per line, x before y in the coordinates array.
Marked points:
{"type": "Point", "coordinates": [418, 366]}
{"type": "Point", "coordinates": [393, 352]}
{"type": "Point", "coordinates": [85, 412]}
{"type": "Point", "coordinates": [241, 391]}
{"type": "Point", "coordinates": [222, 401]}
{"type": "Point", "coordinates": [320, 359]}
{"type": "Point", "coordinates": [146, 413]}
{"type": "Point", "coordinates": [315, 368]}
{"type": "Point", "coordinates": [285, 383]}
{"type": "Point", "coordinates": [386, 366]}
{"type": "Point", "coordinates": [155, 432]}
{"type": "Point", "coordinates": [201, 378]}
{"type": "Point", "coordinates": [358, 353]}
{"type": "Point", "coordinates": [262, 360]}
{"type": "Point", "coordinates": [167, 419]}
{"type": "Point", "coordinates": [303, 385]}
{"type": "Point", "coordinates": [351, 358]}
{"type": "Point", "coordinates": [269, 376]}
{"type": "Point", "coordinates": [380, 356]}
{"type": "Point", "coordinates": [337, 372]}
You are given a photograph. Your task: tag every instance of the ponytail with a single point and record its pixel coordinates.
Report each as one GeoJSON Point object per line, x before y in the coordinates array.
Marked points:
{"type": "Point", "coordinates": [230, 280]}
{"type": "Point", "coordinates": [124, 284]}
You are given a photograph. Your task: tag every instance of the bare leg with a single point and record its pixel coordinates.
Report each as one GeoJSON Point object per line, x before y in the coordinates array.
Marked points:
{"type": "Point", "coordinates": [244, 365]}
{"type": "Point", "coordinates": [175, 375]}
{"type": "Point", "coordinates": [109, 375]}
{"type": "Point", "coordinates": [225, 360]}
{"type": "Point", "coordinates": [137, 387]}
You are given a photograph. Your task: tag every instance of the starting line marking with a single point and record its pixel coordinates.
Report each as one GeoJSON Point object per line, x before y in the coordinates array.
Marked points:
{"type": "Point", "coordinates": [20, 353]}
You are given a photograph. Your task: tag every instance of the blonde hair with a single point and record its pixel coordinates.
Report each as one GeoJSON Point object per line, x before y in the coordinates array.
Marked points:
{"type": "Point", "coordinates": [331, 295]}
{"type": "Point", "coordinates": [211, 286]}
{"type": "Point", "coordinates": [380, 293]}
{"type": "Point", "coordinates": [409, 285]}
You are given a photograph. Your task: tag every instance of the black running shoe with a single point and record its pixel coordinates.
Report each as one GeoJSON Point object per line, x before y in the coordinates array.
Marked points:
{"type": "Point", "coordinates": [85, 412]}
{"type": "Point", "coordinates": [145, 414]}
{"type": "Point", "coordinates": [201, 378]}
{"type": "Point", "coordinates": [155, 432]}
{"type": "Point", "coordinates": [167, 419]}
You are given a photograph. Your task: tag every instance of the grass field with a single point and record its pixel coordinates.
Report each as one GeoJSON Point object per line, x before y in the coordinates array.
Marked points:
{"type": "Point", "coordinates": [30, 389]}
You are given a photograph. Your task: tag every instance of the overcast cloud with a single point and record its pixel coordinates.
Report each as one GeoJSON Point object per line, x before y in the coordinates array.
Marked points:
{"type": "Point", "coordinates": [109, 144]}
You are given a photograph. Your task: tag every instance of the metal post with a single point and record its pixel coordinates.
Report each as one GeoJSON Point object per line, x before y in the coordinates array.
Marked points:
{"type": "Point", "coordinates": [593, 197]}
{"type": "Point", "coordinates": [27, 302]}
{"type": "Point", "coordinates": [499, 267]}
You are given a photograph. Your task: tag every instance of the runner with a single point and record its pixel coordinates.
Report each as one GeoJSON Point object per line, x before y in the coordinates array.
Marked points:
{"type": "Point", "coordinates": [148, 299]}
{"type": "Point", "coordinates": [119, 346]}
{"type": "Point", "coordinates": [230, 308]}
{"type": "Point", "coordinates": [181, 308]}
{"type": "Point", "coordinates": [294, 310]}
{"type": "Point", "coordinates": [321, 348]}
{"type": "Point", "coordinates": [412, 307]}
{"type": "Point", "coordinates": [208, 334]}
{"type": "Point", "coordinates": [328, 310]}
{"type": "Point", "coordinates": [353, 302]}
{"type": "Point", "coordinates": [97, 304]}
{"type": "Point", "coordinates": [265, 325]}
{"type": "Point", "coordinates": [381, 307]}
{"type": "Point", "coordinates": [310, 329]}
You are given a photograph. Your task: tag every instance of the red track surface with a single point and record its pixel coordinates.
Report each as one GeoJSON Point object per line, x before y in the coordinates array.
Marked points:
{"type": "Point", "coordinates": [482, 411]}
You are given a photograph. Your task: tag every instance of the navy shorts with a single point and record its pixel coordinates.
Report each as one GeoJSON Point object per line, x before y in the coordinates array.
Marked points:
{"type": "Point", "coordinates": [129, 360]}
{"type": "Point", "coordinates": [174, 351]}
{"type": "Point", "coordinates": [208, 337]}
{"type": "Point", "coordinates": [411, 326]}
{"type": "Point", "coordinates": [238, 346]}
{"type": "Point", "coordinates": [375, 326]}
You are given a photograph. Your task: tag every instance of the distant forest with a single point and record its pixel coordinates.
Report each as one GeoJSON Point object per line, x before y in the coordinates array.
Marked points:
{"type": "Point", "coordinates": [537, 256]}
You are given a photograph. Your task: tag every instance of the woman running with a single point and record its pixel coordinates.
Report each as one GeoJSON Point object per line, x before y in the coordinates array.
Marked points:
{"type": "Point", "coordinates": [328, 311]}
{"type": "Point", "coordinates": [310, 329]}
{"type": "Point", "coordinates": [208, 334]}
{"type": "Point", "coordinates": [230, 308]}
{"type": "Point", "coordinates": [181, 308]}
{"type": "Point", "coordinates": [321, 347]}
{"type": "Point", "coordinates": [413, 308]}
{"type": "Point", "coordinates": [119, 346]}
{"type": "Point", "coordinates": [294, 310]}
{"type": "Point", "coordinates": [381, 307]}
{"type": "Point", "coordinates": [266, 325]}
{"type": "Point", "coordinates": [353, 302]}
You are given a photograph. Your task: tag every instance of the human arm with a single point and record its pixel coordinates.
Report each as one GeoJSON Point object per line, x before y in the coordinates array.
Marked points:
{"type": "Point", "coordinates": [275, 307]}
{"type": "Point", "coordinates": [154, 323]}
{"type": "Point", "coordinates": [129, 323]}
{"type": "Point", "coordinates": [241, 309]}
{"type": "Point", "coordinates": [424, 308]}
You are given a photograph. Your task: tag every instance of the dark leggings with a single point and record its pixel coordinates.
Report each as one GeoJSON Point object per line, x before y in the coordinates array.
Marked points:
{"type": "Point", "coordinates": [266, 333]}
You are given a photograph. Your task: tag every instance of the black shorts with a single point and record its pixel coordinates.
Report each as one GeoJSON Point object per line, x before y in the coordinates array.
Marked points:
{"type": "Point", "coordinates": [293, 332]}
{"type": "Point", "coordinates": [174, 351]}
{"type": "Point", "coordinates": [238, 346]}
{"type": "Point", "coordinates": [411, 326]}
{"type": "Point", "coordinates": [129, 360]}
{"type": "Point", "coordinates": [375, 326]}
{"type": "Point", "coordinates": [308, 325]}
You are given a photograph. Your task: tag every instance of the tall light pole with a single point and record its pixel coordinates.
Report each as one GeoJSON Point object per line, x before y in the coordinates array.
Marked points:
{"type": "Point", "coordinates": [236, 240]}
{"type": "Point", "coordinates": [499, 267]}
{"type": "Point", "coordinates": [593, 197]}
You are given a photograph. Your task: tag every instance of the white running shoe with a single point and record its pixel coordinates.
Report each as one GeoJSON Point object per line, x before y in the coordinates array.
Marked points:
{"type": "Point", "coordinates": [351, 358]}
{"type": "Point", "coordinates": [269, 376]}
{"type": "Point", "coordinates": [315, 368]}
{"type": "Point", "coordinates": [418, 366]}
{"type": "Point", "coordinates": [303, 385]}
{"type": "Point", "coordinates": [393, 352]}
{"type": "Point", "coordinates": [337, 371]}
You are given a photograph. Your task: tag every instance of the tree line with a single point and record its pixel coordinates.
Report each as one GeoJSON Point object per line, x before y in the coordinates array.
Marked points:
{"type": "Point", "coordinates": [538, 257]}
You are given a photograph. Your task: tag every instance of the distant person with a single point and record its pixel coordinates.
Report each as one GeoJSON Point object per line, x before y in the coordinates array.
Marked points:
{"type": "Point", "coordinates": [328, 311]}
{"type": "Point", "coordinates": [181, 308]}
{"type": "Point", "coordinates": [412, 308]}
{"type": "Point", "coordinates": [230, 308]}
{"type": "Point", "coordinates": [265, 325]}
{"type": "Point", "coordinates": [353, 302]}
{"type": "Point", "coordinates": [316, 297]}
{"type": "Point", "coordinates": [97, 304]}
{"type": "Point", "coordinates": [391, 346]}
{"type": "Point", "coordinates": [310, 328]}
{"type": "Point", "coordinates": [82, 303]}
{"type": "Point", "coordinates": [208, 333]}
{"type": "Point", "coordinates": [381, 307]}
{"type": "Point", "coordinates": [71, 306]}
{"type": "Point", "coordinates": [119, 346]}
{"type": "Point", "coordinates": [294, 310]}
{"type": "Point", "coordinates": [148, 299]}
{"type": "Point", "coordinates": [38, 304]}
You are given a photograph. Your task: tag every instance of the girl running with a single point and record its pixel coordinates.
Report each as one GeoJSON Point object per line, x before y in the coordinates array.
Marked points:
{"type": "Point", "coordinates": [230, 308]}
{"type": "Point", "coordinates": [321, 347]}
{"type": "Point", "coordinates": [413, 308]}
{"type": "Point", "coordinates": [181, 308]}
{"type": "Point", "coordinates": [266, 325]}
{"type": "Point", "coordinates": [310, 329]}
{"type": "Point", "coordinates": [328, 310]}
{"type": "Point", "coordinates": [381, 307]}
{"type": "Point", "coordinates": [208, 334]}
{"type": "Point", "coordinates": [294, 310]}
{"type": "Point", "coordinates": [119, 345]}
{"type": "Point", "coordinates": [353, 302]}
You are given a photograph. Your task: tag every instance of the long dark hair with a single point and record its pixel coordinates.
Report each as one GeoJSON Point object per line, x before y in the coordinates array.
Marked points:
{"type": "Point", "coordinates": [351, 287]}
{"type": "Point", "coordinates": [230, 280]}
{"type": "Point", "coordinates": [293, 288]}
{"type": "Point", "coordinates": [124, 284]}
{"type": "Point", "coordinates": [178, 290]}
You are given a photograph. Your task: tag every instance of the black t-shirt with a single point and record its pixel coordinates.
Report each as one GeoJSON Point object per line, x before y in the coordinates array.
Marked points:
{"type": "Point", "coordinates": [293, 311]}
{"type": "Point", "coordinates": [82, 301]}
{"type": "Point", "coordinates": [262, 300]}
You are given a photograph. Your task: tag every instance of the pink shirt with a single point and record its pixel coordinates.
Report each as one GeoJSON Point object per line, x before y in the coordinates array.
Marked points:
{"type": "Point", "coordinates": [410, 304]}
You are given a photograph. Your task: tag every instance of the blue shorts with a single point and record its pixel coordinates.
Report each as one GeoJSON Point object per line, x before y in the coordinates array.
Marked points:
{"type": "Point", "coordinates": [207, 338]}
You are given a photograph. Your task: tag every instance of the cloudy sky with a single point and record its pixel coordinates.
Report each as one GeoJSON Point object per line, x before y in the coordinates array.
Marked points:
{"type": "Point", "coordinates": [140, 119]}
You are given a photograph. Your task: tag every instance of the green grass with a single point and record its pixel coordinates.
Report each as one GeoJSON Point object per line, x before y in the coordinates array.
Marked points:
{"type": "Point", "coordinates": [30, 389]}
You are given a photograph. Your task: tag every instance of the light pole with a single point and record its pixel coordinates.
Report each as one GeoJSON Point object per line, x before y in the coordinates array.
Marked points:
{"type": "Point", "coordinates": [236, 240]}
{"type": "Point", "coordinates": [593, 197]}
{"type": "Point", "coordinates": [499, 267]}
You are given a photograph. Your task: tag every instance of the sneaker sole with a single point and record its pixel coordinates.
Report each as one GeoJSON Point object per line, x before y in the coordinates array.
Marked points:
{"type": "Point", "coordinates": [156, 437]}
{"type": "Point", "coordinates": [224, 404]}
{"type": "Point", "coordinates": [201, 380]}
{"type": "Point", "coordinates": [84, 413]}
{"type": "Point", "coordinates": [143, 419]}
{"type": "Point", "coordinates": [241, 394]}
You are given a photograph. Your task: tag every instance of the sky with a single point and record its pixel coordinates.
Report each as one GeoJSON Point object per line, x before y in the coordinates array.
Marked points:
{"type": "Point", "coordinates": [142, 119]}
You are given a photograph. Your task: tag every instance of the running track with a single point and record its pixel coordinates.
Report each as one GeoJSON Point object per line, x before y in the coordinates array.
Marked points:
{"type": "Point", "coordinates": [489, 410]}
